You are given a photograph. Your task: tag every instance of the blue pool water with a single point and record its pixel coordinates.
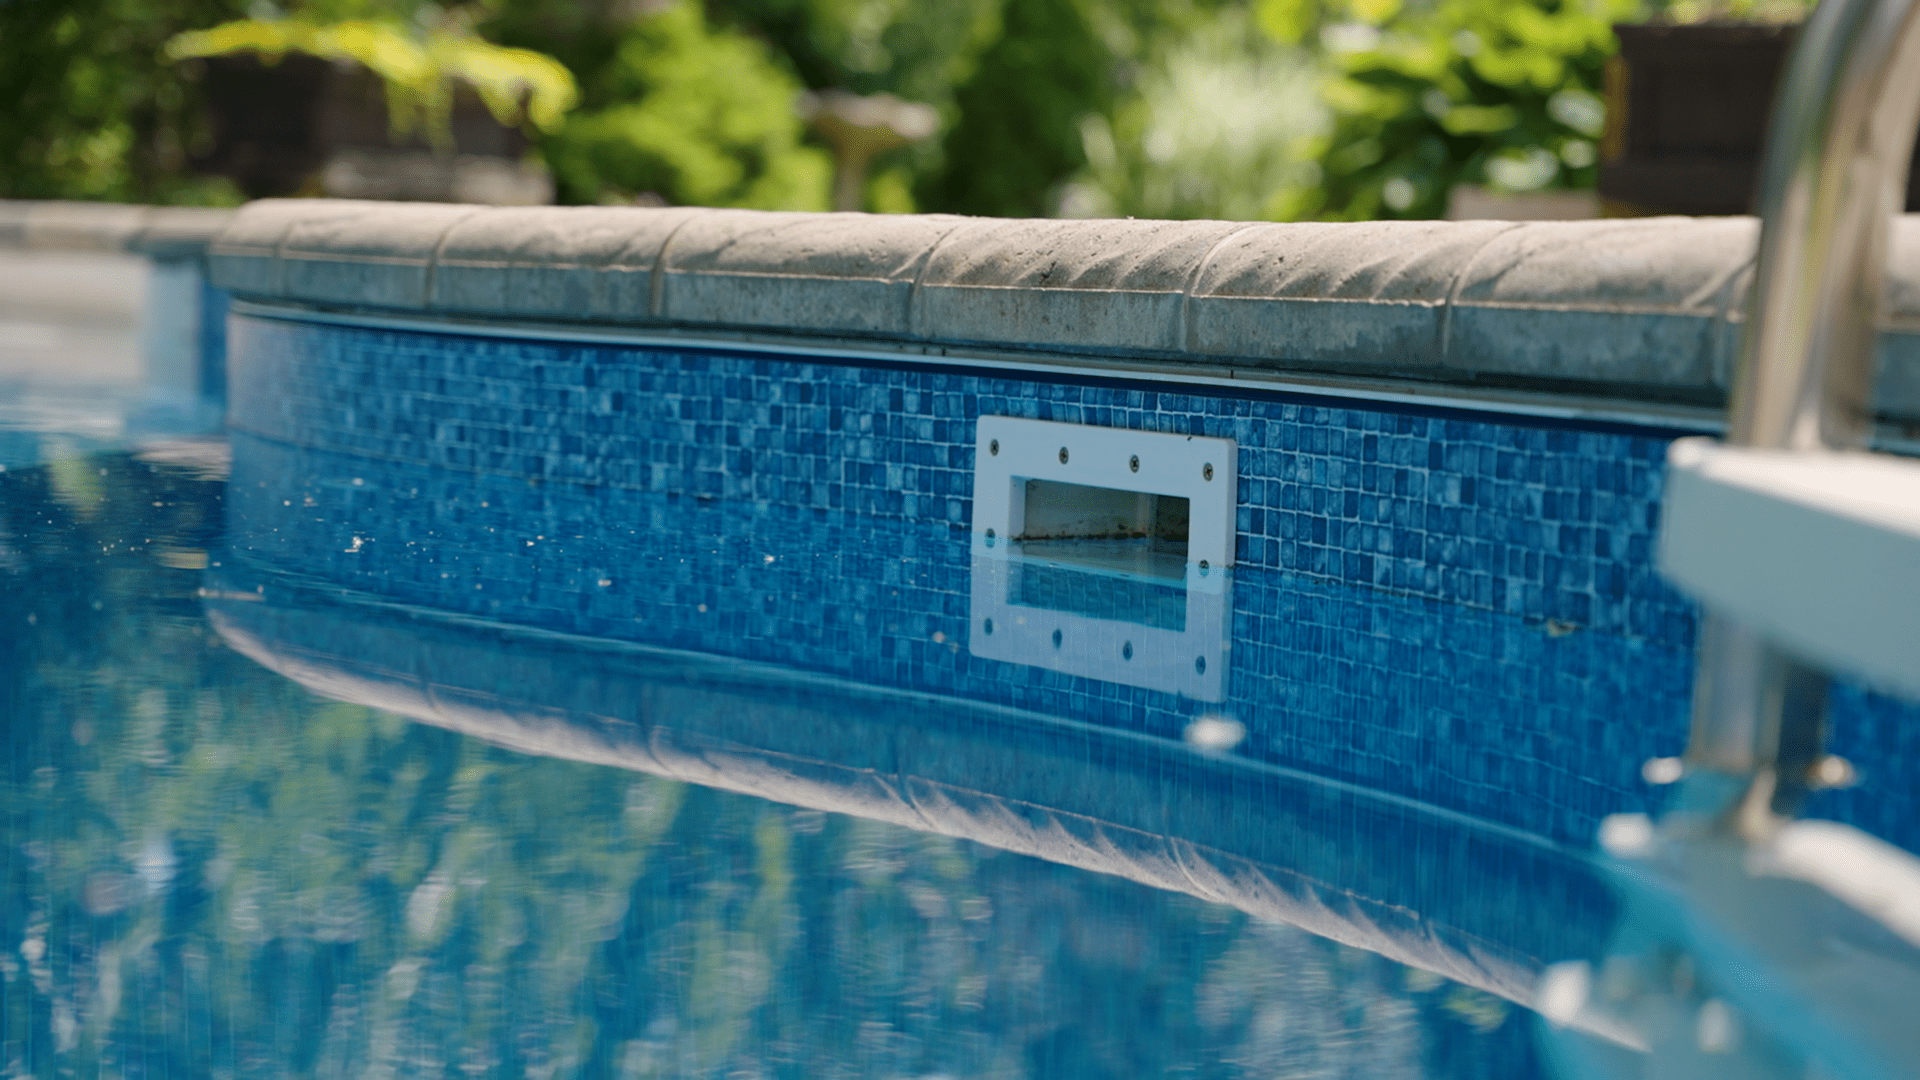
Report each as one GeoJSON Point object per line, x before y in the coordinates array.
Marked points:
{"type": "Point", "coordinates": [505, 708]}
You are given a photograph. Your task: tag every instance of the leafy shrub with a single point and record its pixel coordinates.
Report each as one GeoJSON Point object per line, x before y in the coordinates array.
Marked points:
{"type": "Point", "coordinates": [1017, 135]}
{"type": "Point", "coordinates": [1500, 92]}
{"type": "Point", "coordinates": [1221, 124]}
{"type": "Point", "coordinates": [693, 115]}
{"type": "Point", "coordinates": [90, 109]}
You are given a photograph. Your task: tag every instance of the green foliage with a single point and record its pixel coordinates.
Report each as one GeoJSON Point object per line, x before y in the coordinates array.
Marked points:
{"type": "Point", "coordinates": [213, 871]}
{"type": "Point", "coordinates": [89, 109]}
{"type": "Point", "coordinates": [694, 115]}
{"type": "Point", "coordinates": [913, 50]}
{"type": "Point", "coordinates": [417, 64]}
{"type": "Point", "coordinates": [1015, 83]}
{"type": "Point", "coordinates": [1501, 92]}
{"type": "Point", "coordinates": [1163, 108]}
{"type": "Point", "coordinates": [1756, 11]}
{"type": "Point", "coordinates": [1219, 125]}
{"type": "Point", "coordinates": [583, 36]}
{"type": "Point", "coordinates": [1017, 135]}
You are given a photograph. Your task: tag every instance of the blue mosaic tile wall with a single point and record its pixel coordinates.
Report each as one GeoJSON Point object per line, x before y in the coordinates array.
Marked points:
{"type": "Point", "coordinates": [214, 304]}
{"type": "Point", "coordinates": [1390, 613]}
{"type": "Point", "coordinates": [1458, 706]}
{"type": "Point", "coordinates": [1539, 522]}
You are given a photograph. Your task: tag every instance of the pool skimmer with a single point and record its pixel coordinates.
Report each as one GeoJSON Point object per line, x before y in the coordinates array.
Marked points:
{"type": "Point", "coordinates": [1104, 552]}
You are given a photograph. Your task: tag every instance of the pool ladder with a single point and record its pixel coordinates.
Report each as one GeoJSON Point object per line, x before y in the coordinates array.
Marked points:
{"type": "Point", "coordinates": [1738, 948]}
{"type": "Point", "coordinates": [1803, 547]}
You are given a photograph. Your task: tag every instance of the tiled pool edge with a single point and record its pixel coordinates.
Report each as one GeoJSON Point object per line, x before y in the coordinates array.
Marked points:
{"type": "Point", "coordinates": [490, 396]}
{"type": "Point", "coordinates": [1537, 518]}
{"type": "Point", "coordinates": [1516, 733]}
{"type": "Point", "coordinates": [1572, 407]}
{"type": "Point", "coordinates": [1637, 312]}
{"type": "Point", "coordinates": [162, 232]}
{"type": "Point", "coordinates": [1509, 722]}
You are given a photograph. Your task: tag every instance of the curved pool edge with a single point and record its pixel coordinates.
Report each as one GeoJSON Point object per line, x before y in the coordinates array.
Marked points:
{"type": "Point", "coordinates": [1582, 406]}
{"type": "Point", "coordinates": [1633, 310]}
{"type": "Point", "coordinates": [1276, 844]}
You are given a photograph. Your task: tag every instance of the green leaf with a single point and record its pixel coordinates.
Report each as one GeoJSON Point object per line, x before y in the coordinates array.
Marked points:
{"type": "Point", "coordinates": [416, 68]}
{"type": "Point", "coordinates": [1480, 119]}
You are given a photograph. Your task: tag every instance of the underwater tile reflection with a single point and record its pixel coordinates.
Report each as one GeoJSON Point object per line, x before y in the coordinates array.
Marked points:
{"type": "Point", "coordinates": [213, 871]}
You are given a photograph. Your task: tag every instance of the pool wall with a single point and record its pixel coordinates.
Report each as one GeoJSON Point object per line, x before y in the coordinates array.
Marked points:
{"type": "Point", "coordinates": [1542, 520]}
{"type": "Point", "coordinates": [1506, 720]}
{"type": "Point", "coordinates": [182, 331]}
{"type": "Point", "coordinates": [1464, 421]}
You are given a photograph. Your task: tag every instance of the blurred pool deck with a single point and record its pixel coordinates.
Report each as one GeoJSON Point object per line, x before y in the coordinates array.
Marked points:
{"type": "Point", "coordinates": [72, 319]}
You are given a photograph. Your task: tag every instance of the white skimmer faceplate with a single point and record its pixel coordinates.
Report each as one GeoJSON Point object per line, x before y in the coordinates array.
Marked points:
{"type": "Point", "coordinates": [1067, 571]}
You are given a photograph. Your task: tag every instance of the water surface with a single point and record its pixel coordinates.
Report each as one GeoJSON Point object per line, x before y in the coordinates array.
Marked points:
{"type": "Point", "coordinates": [216, 870]}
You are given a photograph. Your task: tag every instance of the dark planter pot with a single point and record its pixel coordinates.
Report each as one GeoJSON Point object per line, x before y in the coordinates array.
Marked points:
{"type": "Point", "coordinates": [265, 122]}
{"type": "Point", "coordinates": [276, 127]}
{"type": "Point", "coordinates": [1687, 114]}
{"type": "Point", "coordinates": [353, 116]}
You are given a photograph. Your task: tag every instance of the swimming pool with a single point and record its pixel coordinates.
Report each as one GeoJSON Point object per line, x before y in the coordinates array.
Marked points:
{"type": "Point", "coordinates": [516, 701]}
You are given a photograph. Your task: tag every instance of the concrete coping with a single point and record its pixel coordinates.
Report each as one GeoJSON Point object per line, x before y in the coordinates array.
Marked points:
{"type": "Point", "coordinates": [1643, 308]}
{"type": "Point", "coordinates": [160, 232]}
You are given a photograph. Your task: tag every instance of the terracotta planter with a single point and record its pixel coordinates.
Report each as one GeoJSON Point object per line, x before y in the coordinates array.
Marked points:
{"type": "Point", "coordinates": [1687, 114]}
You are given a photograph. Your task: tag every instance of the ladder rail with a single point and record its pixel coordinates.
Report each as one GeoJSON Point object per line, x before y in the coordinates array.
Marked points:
{"type": "Point", "coordinates": [1833, 179]}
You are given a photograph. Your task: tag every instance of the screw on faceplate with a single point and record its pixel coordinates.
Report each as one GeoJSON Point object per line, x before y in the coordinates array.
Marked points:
{"type": "Point", "coordinates": [1834, 772]}
{"type": "Point", "coordinates": [987, 626]}
{"type": "Point", "coordinates": [1134, 463]}
{"type": "Point", "coordinates": [1056, 639]}
{"type": "Point", "coordinates": [1126, 651]}
{"type": "Point", "coordinates": [1662, 770]}
{"type": "Point", "coordinates": [989, 537]}
{"type": "Point", "coordinates": [1200, 665]}
{"type": "Point", "coordinates": [993, 446]}
{"type": "Point", "coordinates": [1204, 568]}
{"type": "Point", "coordinates": [1063, 455]}
{"type": "Point", "coordinates": [1206, 471]}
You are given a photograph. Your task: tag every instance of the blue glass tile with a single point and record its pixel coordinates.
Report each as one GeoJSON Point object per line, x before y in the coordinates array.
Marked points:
{"type": "Point", "coordinates": [1398, 570]}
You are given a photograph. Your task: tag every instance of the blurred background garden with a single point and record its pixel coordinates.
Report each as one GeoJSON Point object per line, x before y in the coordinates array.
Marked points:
{"type": "Point", "coordinates": [1239, 109]}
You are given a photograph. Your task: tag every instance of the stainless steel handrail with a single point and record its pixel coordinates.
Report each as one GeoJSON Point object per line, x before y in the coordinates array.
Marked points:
{"type": "Point", "coordinates": [1834, 177]}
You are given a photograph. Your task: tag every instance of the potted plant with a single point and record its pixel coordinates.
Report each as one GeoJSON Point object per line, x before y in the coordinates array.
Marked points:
{"type": "Point", "coordinates": [375, 109]}
{"type": "Point", "coordinates": [1689, 99]}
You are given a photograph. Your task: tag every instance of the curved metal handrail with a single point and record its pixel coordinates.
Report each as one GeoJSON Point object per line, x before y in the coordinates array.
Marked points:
{"type": "Point", "coordinates": [1834, 178]}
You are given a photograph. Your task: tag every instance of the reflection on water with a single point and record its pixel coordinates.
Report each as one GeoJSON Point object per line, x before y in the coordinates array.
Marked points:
{"type": "Point", "coordinates": [213, 871]}
{"type": "Point", "coordinates": [333, 772]}
{"type": "Point", "coordinates": [1059, 614]}
{"type": "Point", "coordinates": [1347, 864]}
{"type": "Point", "coordinates": [1146, 598]}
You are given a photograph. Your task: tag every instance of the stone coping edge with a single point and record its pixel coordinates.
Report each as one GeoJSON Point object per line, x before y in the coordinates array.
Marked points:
{"type": "Point", "coordinates": [160, 232]}
{"type": "Point", "coordinates": [1567, 405]}
{"type": "Point", "coordinates": [1642, 308]}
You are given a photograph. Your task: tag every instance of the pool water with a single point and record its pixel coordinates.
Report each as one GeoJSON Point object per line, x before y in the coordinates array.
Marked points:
{"type": "Point", "coordinates": [214, 870]}
{"type": "Point", "coordinates": [331, 761]}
